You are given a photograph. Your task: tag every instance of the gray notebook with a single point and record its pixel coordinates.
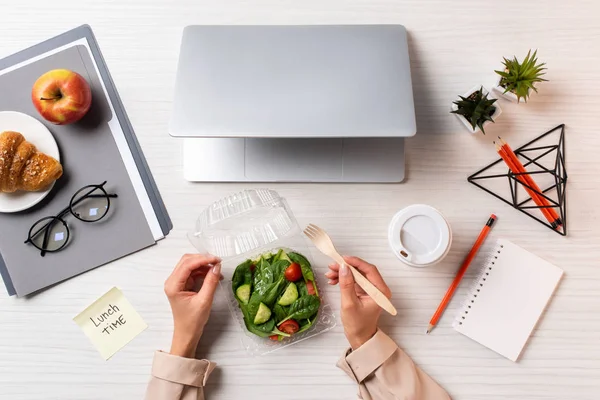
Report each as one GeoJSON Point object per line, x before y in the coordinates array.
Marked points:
{"type": "Point", "coordinates": [101, 147]}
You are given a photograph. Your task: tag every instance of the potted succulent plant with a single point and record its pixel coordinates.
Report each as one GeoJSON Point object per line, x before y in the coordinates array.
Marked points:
{"type": "Point", "coordinates": [518, 79]}
{"type": "Point", "coordinates": [475, 110]}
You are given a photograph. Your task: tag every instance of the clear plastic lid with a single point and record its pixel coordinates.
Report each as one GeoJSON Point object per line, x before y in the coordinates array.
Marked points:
{"type": "Point", "coordinates": [244, 226]}
{"type": "Point", "coordinates": [243, 222]}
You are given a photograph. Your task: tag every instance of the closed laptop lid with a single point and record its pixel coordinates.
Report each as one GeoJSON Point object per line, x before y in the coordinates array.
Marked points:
{"type": "Point", "coordinates": [294, 81]}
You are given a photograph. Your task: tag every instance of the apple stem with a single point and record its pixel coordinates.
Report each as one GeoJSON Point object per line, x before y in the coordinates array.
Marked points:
{"type": "Point", "coordinates": [52, 98]}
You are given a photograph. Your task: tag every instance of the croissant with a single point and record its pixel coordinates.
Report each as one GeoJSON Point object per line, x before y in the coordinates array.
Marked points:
{"type": "Point", "coordinates": [22, 167]}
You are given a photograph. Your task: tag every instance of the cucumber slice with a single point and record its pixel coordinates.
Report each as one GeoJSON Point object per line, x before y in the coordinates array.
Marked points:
{"type": "Point", "coordinates": [262, 315]}
{"type": "Point", "coordinates": [243, 293]}
{"type": "Point", "coordinates": [289, 296]}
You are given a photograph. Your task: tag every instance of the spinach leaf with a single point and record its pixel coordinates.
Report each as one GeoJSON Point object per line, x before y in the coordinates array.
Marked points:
{"type": "Point", "coordinates": [253, 304]}
{"type": "Point", "coordinates": [258, 330]}
{"type": "Point", "coordinates": [267, 327]}
{"type": "Point", "coordinates": [271, 292]}
{"type": "Point", "coordinates": [279, 267]}
{"type": "Point", "coordinates": [263, 276]}
{"type": "Point", "coordinates": [242, 275]}
{"type": "Point", "coordinates": [303, 308]}
{"type": "Point", "coordinates": [306, 325]}
{"type": "Point", "coordinates": [304, 265]}
{"type": "Point", "coordinates": [274, 291]}
{"type": "Point", "coordinates": [263, 330]}
{"type": "Point", "coordinates": [302, 290]}
{"type": "Point", "coordinates": [304, 322]}
{"type": "Point", "coordinates": [280, 313]}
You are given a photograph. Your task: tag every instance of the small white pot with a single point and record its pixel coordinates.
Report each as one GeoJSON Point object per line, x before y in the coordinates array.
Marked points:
{"type": "Point", "coordinates": [486, 123]}
{"type": "Point", "coordinates": [499, 90]}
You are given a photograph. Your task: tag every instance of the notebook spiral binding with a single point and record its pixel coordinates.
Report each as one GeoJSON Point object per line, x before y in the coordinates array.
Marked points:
{"type": "Point", "coordinates": [478, 284]}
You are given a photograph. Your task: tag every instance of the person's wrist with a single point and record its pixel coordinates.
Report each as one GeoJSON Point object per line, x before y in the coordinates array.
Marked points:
{"type": "Point", "coordinates": [357, 339]}
{"type": "Point", "coordinates": [184, 345]}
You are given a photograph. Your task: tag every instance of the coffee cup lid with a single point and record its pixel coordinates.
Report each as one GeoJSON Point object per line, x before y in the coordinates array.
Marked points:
{"type": "Point", "coordinates": [419, 235]}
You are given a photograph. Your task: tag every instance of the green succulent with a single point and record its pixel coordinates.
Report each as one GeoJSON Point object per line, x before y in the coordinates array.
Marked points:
{"type": "Point", "coordinates": [519, 78]}
{"type": "Point", "coordinates": [476, 108]}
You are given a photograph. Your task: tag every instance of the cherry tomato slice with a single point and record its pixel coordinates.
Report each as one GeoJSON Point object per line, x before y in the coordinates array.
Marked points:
{"type": "Point", "coordinates": [290, 326]}
{"type": "Point", "coordinates": [274, 337]}
{"type": "Point", "coordinates": [293, 273]}
{"type": "Point", "coordinates": [310, 287]}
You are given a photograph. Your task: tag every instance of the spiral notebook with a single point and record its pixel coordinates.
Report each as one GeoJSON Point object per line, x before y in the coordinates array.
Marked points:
{"type": "Point", "coordinates": [507, 299]}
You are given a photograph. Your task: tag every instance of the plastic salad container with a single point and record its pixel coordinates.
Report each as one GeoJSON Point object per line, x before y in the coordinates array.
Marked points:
{"type": "Point", "coordinates": [244, 226]}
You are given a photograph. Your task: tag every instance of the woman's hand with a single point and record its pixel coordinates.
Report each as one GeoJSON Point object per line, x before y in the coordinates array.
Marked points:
{"type": "Point", "coordinates": [190, 309]}
{"type": "Point", "coordinates": [360, 313]}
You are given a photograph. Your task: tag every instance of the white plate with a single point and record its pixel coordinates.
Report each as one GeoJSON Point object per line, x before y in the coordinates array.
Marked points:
{"type": "Point", "coordinates": [36, 133]}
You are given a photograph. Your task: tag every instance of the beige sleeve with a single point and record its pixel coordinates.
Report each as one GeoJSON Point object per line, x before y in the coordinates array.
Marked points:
{"type": "Point", "coordinates": [178, 378]}
{"type": "Point", "coordinates": [384, 372]}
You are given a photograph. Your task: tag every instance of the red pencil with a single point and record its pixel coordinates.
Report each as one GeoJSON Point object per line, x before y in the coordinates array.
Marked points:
{"type": "Point", "coordinates": [461, 272]}
{"type": "Point", "coordinates": [554, 219]}
{"type": "Point", "coordinates": [521, 178]}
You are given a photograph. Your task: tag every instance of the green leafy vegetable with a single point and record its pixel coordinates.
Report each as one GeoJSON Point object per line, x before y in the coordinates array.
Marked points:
{"type": "Point", "coordinates": [274, 291]}
{"type": "Point", "coordinates": [250, 326]}
{"type": "Point", "coordinates": [306, 325]}
{"type": "Point", "coordinates": [303, 308]}
{"type": "Point", "coordinates": [252, 306]}
{"type": "Point", "coordinates": [280, 313]}
{"type": "Point", "coordinates": [302, 290]}
{"type": "Point", "coordinates": [279, 267]}
{"type": "Point", "coordinates": [263, 276]}
{"type": "Point", "coordinates": [263, 330]}
{"type": "Point", "coordinates": [242, 275]}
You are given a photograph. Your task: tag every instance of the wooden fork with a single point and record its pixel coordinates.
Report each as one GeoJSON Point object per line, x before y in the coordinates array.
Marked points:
{"type": "Point", "coordinates": [323, 242]}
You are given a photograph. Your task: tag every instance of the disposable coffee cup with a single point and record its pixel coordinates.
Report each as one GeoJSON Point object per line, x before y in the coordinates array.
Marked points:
{"type": "Point", "coordinates": [420, 236]}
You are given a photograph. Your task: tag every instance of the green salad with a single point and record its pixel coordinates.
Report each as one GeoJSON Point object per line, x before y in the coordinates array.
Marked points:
{"type": "Point", "coordinates": [277, 294]}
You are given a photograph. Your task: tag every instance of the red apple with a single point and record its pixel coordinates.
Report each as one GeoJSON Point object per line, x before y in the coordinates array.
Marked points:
{"type": "Point", "coordinates": [61, 96]}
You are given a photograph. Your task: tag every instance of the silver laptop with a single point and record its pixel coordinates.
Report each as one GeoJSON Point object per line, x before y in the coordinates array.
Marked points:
{"type": "Point", "coordinates": [294, 103]}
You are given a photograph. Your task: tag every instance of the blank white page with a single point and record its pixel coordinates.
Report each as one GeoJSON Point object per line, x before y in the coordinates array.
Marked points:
{"type": "Point", "coordinates": [507, 299]}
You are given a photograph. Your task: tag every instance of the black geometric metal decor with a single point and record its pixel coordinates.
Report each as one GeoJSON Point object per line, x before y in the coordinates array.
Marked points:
{"type": "Point", "coordinates": [545, 163]}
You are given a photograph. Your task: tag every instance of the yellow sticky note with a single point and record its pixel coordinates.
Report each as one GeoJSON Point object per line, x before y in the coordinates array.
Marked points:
{"type": "Point", "coordinates": [110, 322]}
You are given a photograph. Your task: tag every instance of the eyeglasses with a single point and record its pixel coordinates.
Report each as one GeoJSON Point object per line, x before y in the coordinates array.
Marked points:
{"type": "Point", "coordinates": [51, 234]}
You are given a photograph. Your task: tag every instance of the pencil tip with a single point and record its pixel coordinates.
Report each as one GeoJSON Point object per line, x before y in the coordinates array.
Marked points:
{"type": "Point", "coordinates": [429, 329]}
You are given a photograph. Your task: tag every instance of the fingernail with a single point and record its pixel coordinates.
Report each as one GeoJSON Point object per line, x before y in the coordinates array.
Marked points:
{"type": "Point", "coordinates": [217, 269]}
{"type": "Point", "coordinates": [344, 270]}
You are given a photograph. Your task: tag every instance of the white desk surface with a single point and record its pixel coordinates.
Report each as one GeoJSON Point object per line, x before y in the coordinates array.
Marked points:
{"type": "Point", "coordinates": [454, 45]}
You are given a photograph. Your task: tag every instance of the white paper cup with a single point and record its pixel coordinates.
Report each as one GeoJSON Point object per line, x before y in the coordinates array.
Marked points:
{"type": "Point", "coordinates": [420, 236]}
